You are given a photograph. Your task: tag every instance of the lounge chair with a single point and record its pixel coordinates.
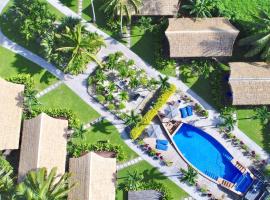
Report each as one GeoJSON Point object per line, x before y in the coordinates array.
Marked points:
{"type": "Point", "coordinates": [184, 113]}
{"type": "Point", "coordinates": [164, 142]}
{"type": "Point", "coordinates": [189, 110]}
{"type": "Point", "coordinates": [161, 147]}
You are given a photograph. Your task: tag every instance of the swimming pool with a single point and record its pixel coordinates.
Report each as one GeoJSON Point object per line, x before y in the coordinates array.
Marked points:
{"type": "Point", "coordinates": [208, 156]}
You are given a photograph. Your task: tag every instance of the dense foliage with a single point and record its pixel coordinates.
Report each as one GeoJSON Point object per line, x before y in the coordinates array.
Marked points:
{"type": "Point", "coordinates": [149, 116]}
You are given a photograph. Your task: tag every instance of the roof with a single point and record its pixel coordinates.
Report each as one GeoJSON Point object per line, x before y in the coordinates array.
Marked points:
{"type": "Point", "coordinates": [159, 7]}
{"type": "Point", "coordinates": [201, 37]}
{"type": "Point", "coordinates": [11, 106]}
{"type": "Point", "coordinates": [144, 194]}
{"type": "Point", "coordinates": [95, 177]}
{"type": "Point", "coordinates": [250, 83]}
{"type": "Point", "coordinates": [43, 144]}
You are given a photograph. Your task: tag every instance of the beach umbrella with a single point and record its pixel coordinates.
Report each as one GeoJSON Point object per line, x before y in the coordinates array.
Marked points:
{"type": "Point", "coordinates": [171, 112]}
{"type": "Point", "coordinates": [154, 130]}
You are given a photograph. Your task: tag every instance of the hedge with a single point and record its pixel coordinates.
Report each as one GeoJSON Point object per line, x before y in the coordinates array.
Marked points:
{"type": "Point", "coordinates": [149, 116]}
{"type": "Point", "coordinates": [24, 79]}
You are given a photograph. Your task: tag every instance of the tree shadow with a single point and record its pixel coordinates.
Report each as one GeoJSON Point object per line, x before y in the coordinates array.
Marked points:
{"type": "Point", "coordinates": [266, 137]}
{"type": "Point", "coordinates": [68, 3]}
{"type": "Point", "coordinates": [103, 127]}
{"type": "Point", "coordinates": [153, 174]}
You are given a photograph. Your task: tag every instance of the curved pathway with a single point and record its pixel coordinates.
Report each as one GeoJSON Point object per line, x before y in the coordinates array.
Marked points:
{"type": "Point", "coordinates": [79, 85]}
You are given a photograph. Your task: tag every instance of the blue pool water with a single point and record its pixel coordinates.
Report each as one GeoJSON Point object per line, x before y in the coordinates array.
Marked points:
{"type": "Point", "coordinates": [209, 156]}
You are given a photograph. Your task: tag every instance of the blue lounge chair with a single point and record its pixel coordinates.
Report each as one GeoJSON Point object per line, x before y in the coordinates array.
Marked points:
{"type": "Point", "coordinates": [164, 142]}
{"type": "Point", "coordinates": [183, 112]}
{"type": "Point", "coordinates": [189, 110]}
{"type": "Point", "coordinates": [161, 147]}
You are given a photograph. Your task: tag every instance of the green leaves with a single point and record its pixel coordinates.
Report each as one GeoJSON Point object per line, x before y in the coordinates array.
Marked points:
{"type": "Point", "coordinates": [189, 175]}
{"type": "Point", "coordinates": [262, 114]}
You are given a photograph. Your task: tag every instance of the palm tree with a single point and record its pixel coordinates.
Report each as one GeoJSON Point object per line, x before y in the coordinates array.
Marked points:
{"type": "Point", "coordinates": [123, 96]}
{"type": "Point", "coordinates": [120, 8]}
{"type": "Point", "coordinates": [81, 45]}
{"type": "Point", "coordinates": [259, 42]}
{"type": "Point", "coordinates": [132, 119]}
{"type": "Point", "coordinates": [80, 132]}
{"type": "Point", "coordinates": [133, 181]}
{"type": "Point", "coordinates": [229, 122]}
{"type": "Point", "coordinates": [134, 82]}
{"type": "Point", "coordinates": [164, 84]}
{"type": "Point", "coordinates": [189, 175]}
{"type": "Point", "coordinates": [100, 76]}
{"type": "Point", "coordinates": [6, 183]}
{"type": "Point", "coordinates": [39, 185]}
{"type": "Point", "coordinates": [200, 8]}
{"type": "Point", "coordinates": [30, 100]}
{"type": "Point", "coordinates": [262, 114]}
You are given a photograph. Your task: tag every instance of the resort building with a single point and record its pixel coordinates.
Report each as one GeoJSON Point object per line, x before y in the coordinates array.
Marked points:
{"type": "Point", "coordinates": [43, 145]}
{"type": "Point", "coordinates": [250, 83]}
{"type": "Point", "coordinates": [159, 8]}
{"type": "Point", "coordinates": [11, 105]}
{"type": "Point", "coordinates": [203, 37]}
{"type": "Point", "coordinates": [94, 176]}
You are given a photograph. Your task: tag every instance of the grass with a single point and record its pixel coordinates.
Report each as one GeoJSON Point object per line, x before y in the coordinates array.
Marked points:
{"type": "Point", "coordinates": [72, 4]}
{"type": "Point", "coordinates": [13, 64]}
{"type": "Point", "coordinates": [104, 130]}
{"type": "Point", "coordinates": [150, 173]}
{"type": "Point", "coordinates": [63, 97]}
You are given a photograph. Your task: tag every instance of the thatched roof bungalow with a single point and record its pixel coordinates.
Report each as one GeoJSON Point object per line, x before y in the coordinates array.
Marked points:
{"type": "Point", "coordinates": [43, 144]}
{"type": "Point", "coordinates": [159, 8]}
{"type": "Point", "coordinates": [204, 37]}
{"type": "Point", "coordinates": [11, 106]}
{"type": "Point", "coordinates": [250, 83]}
{"type": "Point", "coordinates": [95, 177]}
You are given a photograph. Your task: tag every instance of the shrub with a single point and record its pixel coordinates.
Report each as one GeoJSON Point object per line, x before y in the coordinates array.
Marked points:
{"type": "Point", "coordinates": [122, 106]}
{"type": "Point", "coordinates": [24, 79]}
{"type": "Point", "coordinates": [4, 164]}
{"type": "Point", "coordinates": [153, 185]}
{"type": "Point", "coordinates": [149, 116]}
{"type": "Point", "coordinates": [111, 106]}
{"type": "Point", "coordinates": [101, 98]}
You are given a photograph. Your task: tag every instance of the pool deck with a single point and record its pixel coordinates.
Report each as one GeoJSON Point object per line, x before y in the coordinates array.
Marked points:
{"type": "Point", "coordinates": [209, 126]}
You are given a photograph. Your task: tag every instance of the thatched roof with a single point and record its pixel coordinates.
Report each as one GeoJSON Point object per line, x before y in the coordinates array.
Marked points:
{"type": "Point", "coordinates": [11, 105]}
{"type": "Point", "coordinates": [159, 7]}
{"type": "Point", "coordinates": [144, 194]}
{"type": "Point", "coordinates": [250, 83]}
{"type": "Point", "coordinates": [95, 177]}
{"type": "Point", "coordinates": [43, 144]}
{"type": "Point", "coordinates": [204, 37]}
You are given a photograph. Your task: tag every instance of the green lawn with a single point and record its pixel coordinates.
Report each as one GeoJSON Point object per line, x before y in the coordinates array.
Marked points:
{"type": "Point", "coordinates": [150, 173]}
{"type": "Point", "coordinates": [72, 4]}
{"type": "Point", "coordinates": [104, 130]}
{"type": "Point", "coordinates": [12, 64]}
{"type": "Point", "coordinates": [63, 97]}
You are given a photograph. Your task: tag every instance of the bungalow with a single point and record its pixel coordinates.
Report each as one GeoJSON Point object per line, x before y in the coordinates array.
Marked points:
{"type": "Point", "coordinates": [250, 83]}
{"type": "Point", "coordinates": [11, 106]}
{"type": "Point", "coordinates": [43, 144]}
{"type": "Point", "coordinates": [94, 176]}
{"type": "Point", "coordinates": [201, 37]}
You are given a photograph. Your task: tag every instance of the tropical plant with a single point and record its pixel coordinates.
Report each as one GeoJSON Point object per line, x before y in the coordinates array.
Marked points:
{"type": "Point", "coordinates": [6, 183]}
{"type": "Point", "coordinates": [163, 81]}
{"type": "Point", "coordinates": [124, 96]}
{"type": "Point", "coordinates": [134, 83]}
{"type": "Point", "coordinates": [79, 132]}
{"type": "Point", "coordinates": [121, 8]}
{"type": "Point", "coordinates": [82, 47]}
{"type": "Point", "coordinates": [39, 185]}
{"type": "Point", "coordinates": [200, 8]}
{"type": "Point", "coordinates": [132, 119]}
{"type": "Point", "coordinates": [189, 175]}
{"type": "Point", "coordinates": [262, 114]}
{"type": "Point", "coordinates": [101, 98]}
{"type": "Point", "coordinates": [111, 87]}
{"type": "Point", "coordinates": [146, 24]}
{"type": "Point", "coordinates": [133, 181]}
{"type": "Point", "coordinates": [100, 76]}
{"type": "Point", "coordinates": [259, 42]}
{"type": "Point", "coordinates": [68, 21]}
{"type": "Point", "coordinates": [30, 100]}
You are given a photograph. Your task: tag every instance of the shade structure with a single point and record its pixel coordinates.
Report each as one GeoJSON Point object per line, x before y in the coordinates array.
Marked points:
{"type": "Point", "coordinates": [171, 112]}
{"type": "Point", "coordinates": [201, 37]}
{"type": "Point", "coordinates": [95, 177]}
{"type": "Point", "coordinates": [11, 106]}
{"type": "Point", "coordinates": [159, 8]}
{"type": "Point", "coordinates": [43, 144]}
{"type": "Point", "coordinates": [250, 83]}
{"type": "Point", "coordinates": [154, 130]}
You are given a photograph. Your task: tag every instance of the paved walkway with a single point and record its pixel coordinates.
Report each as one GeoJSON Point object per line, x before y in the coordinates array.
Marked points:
{"type": "Point", "coordinates": [79, 85]}
{"type": "Point", "coordinates": [129, 163]}
{"type": "Point", "coordinates": [49, 89]}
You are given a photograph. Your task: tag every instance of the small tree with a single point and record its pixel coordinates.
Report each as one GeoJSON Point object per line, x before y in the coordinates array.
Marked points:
{"type": "Point", "coordinates": [200, 8]}
{"type": "Point", "coordinates": [124, 96]}
{"type": "Point", "coordinates": [163, 81]}
{"type": "Point", "coordinates": [79, 132]}
{"type": "Point", "coordinates": [133, 181]}
{"type": "Point", "coordinates": [262, 114]}
{"type": "Point", "coordinates": [189, 175]}
{"type": "Point", "coordinates": [132, 119]}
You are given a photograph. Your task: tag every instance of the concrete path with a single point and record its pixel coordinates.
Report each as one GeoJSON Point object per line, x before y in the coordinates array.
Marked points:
{"type": "Point", "coordinates": [129, 163]}
{"type": "Point", "coordinates": [49, 89]}
{"type": "Point", "coordinates": [79, 85]}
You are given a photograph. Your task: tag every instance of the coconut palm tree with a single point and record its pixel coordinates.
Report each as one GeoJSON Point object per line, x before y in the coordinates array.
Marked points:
{"type": "Point", "coordinates": [121, 8]}
{"type": "Point", "coordinates": [259, 43]}
{"type": "Point", "coordinates": [79, 132]}
{"type": "Point", "coordinates": [163, 81]}
{"type": "Point", "coordinates": [132, 119]}
{"type": "Point", "coordinates": [81, 44]}
{"type": "Point", "coordinates": [40, 185]}
{"type": "Point", "coordinates": [123, 96]}
{"type": "Point", "coordinates": [228, 122]}
{"type": "Point", "coordinates": [189, 175]}
{"type": "Point", "coordinates": [262, 114]}
{"type": "Point", "coordinates": [200, 8]}
{"type": "Point", "coordinates": [133, 181]}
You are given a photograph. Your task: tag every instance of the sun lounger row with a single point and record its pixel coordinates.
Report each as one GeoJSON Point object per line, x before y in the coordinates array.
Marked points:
{"type": "Point", "coordinates": [162, 145]}
{"type": "Point", "coordinates": [225, 183]}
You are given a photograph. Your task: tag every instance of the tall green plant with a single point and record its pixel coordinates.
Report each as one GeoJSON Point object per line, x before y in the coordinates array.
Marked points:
{"type": "Point", "coordinates": [262, 114]}
{"type": "Point", "coordinates": [189, 175]}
